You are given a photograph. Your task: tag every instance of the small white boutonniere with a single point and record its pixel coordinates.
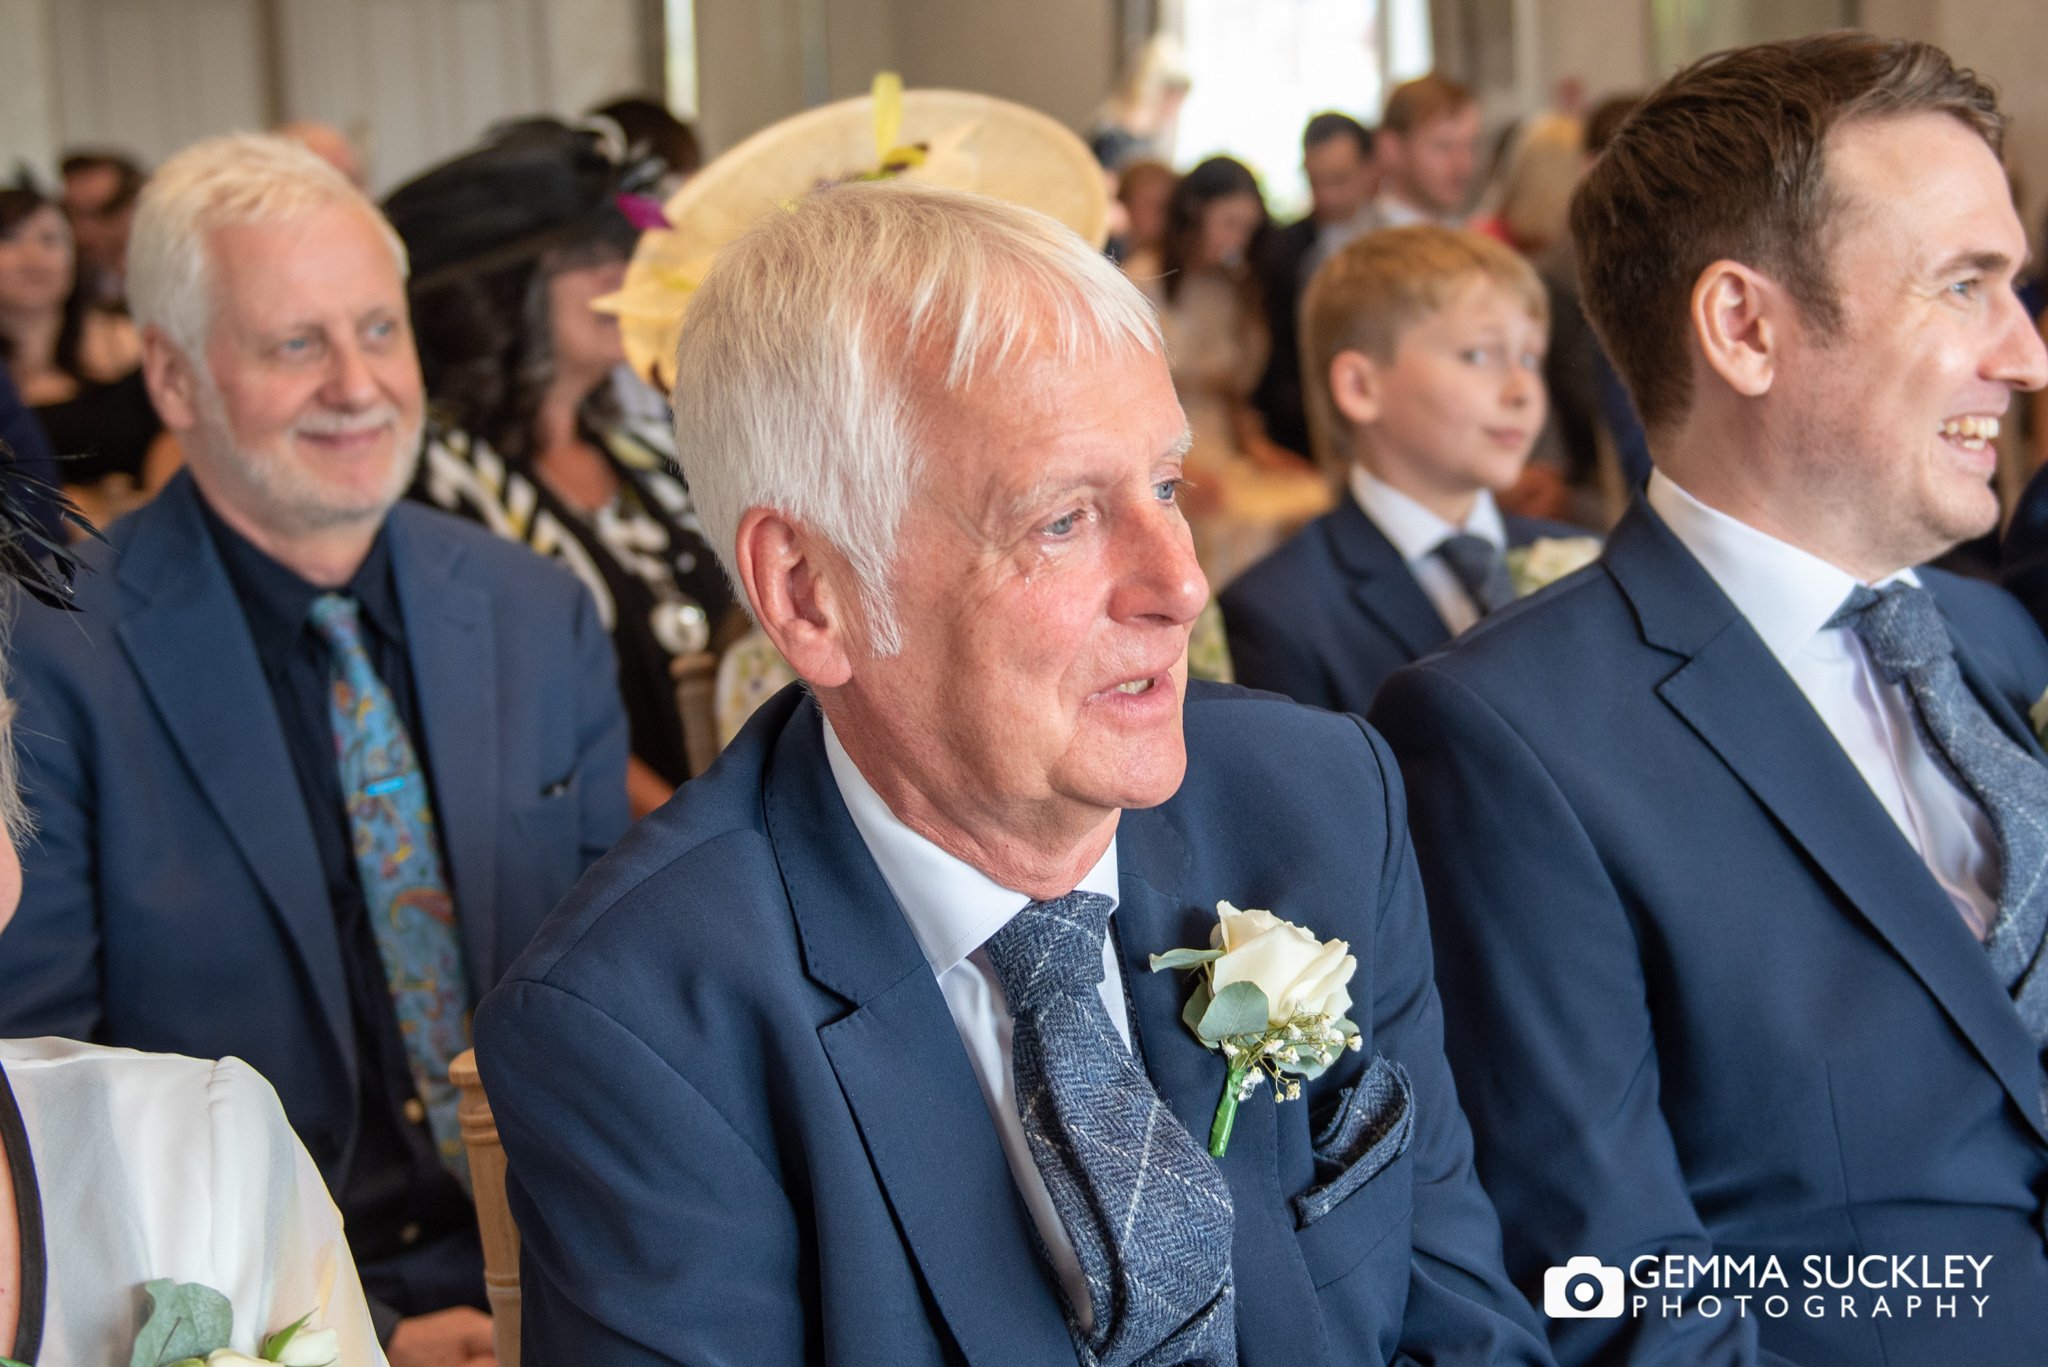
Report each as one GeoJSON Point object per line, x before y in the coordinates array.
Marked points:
{"type": "Point", "coordinates": [189, 1325]}
{"type": "Point", "coordinates": [1548, 559]}
{"type": "Point", "coordinates": [1271, 1000]}
{"type": "Point", "coordinates": [2037, 715]}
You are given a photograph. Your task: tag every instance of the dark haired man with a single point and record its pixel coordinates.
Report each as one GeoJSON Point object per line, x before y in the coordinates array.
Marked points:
{"type": "Point", "coordinates": [100, 189]}
{"type": "Point", "coordinates": [1336, 156]}
{"type": "Point", "coordinates": [1733, 841]}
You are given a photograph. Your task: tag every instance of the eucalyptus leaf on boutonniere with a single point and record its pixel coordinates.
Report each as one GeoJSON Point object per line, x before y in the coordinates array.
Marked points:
{"type": "Point", "coordinates": [1548, 559]}
{"type": "Point", "coordinates": [189, 1325]}
{"type": "Point", "coordinates": [2037, 716]}
{"type": "Point", "coordinates": [1271, 1000]}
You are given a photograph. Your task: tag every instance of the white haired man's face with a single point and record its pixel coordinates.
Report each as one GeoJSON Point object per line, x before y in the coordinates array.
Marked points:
{"type": "Point", "coordinates": [307, 415]}
{"type": "Point", "coordinates": [1046, 584]}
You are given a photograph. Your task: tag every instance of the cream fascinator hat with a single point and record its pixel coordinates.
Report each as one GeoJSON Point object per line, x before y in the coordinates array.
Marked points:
{"type": "Point", "coordinates": [949, 138]}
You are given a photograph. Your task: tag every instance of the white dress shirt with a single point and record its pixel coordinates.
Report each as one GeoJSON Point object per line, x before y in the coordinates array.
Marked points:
{"type": "Point", "coordinates": [1416, 533]}
{"type": "Point", "coordinates": [953, 909]}
{"type": "Point", "coordinates": [1788, 596]}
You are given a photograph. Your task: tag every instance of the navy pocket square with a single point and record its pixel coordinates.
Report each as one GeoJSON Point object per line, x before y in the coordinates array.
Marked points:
{"type": "Point", "coordinates": [1370, 1126]}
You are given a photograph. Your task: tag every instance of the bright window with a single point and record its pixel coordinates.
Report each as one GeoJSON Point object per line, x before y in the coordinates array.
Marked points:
{"type": "Point", "coordinates": [1262, 68]}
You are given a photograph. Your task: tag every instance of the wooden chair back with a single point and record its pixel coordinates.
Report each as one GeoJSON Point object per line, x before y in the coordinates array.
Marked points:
{"type": "Point", "coordinates": [493, 1214]}
{"type": "Point", "coordinates": [695, 677]}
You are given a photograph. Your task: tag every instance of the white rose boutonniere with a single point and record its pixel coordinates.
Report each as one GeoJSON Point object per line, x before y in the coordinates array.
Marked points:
{"type": "Point", "coordinates": [1271, 1000]}
{"type": "Point", "coordinates": [2038, 716]}
{"type": "Point", "coordinates": [1548, 559]}
{"type": "Point", "coordinates": [189, 1325]}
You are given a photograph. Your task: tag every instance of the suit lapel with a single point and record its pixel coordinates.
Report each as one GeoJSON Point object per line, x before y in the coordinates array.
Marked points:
{"type": "Point", "coordinates": [190, 645]}
{"type": "Point", "coordinates": [905, 1074]}
{"type": "Point", "coordinates": [1154, 914]}
{"type": "Point", "coordinates": [453, 648]}
{"type": "Point", "coordinates": [1735, 695]}
{"type": "Point", "coordinates": [1381, 583]}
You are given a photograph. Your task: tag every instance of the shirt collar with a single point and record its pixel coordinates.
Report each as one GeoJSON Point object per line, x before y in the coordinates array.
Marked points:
{"type": "Point", "coordinates": [953, 908]}
{"type": "Point", "coordinates": [1787, 594]}
{"type": "Point", "coordinates": [1416, 531]}
{"type": "Point", "coordinates": [277, 601]}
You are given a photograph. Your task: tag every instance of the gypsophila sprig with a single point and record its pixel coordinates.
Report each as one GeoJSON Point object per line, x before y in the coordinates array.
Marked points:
{"type": "Point", "coordinates": [1271, 1000]}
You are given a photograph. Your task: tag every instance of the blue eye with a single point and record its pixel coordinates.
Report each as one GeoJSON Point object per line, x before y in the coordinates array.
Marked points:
{"type": "Point", "coordinates": [1168, 490]}
{"type": "Point", "coordinates": [1061, 526]}
{"type": "Point", "coordinates": [1966, 288]}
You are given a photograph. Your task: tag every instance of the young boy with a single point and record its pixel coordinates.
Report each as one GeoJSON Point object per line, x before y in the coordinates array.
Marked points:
{"type": "Point", "coordinates": [1422, 350]}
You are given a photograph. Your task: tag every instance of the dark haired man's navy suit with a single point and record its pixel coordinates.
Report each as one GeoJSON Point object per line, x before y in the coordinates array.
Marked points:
{"type": "Point", "coordinates": [174, 897]}
{"type": "Point", "coordinates": [743, 1128]}
{"type": "Point", "coordinates": [1701, 994]}
{"type": "Point", "coordinates": [1326, 617]}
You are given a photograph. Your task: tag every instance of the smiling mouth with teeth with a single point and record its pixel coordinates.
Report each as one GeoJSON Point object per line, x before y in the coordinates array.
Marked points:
{"type": "Point", "coordinates": [1135, 686]}
{"type": "Point", "coordinates": [1970, 433]}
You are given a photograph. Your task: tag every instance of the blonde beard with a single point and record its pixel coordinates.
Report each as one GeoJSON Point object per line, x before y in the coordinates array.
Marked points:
{"type": "Point", "coordinates": [284, 498]}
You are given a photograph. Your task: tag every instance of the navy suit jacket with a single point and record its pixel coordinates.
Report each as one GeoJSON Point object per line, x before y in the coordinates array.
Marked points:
{"type": "Point", "coordinates": [742, 1126]}
{"type": "Point", "coordinates": [2025, 554]}
{"type": "Point", "coordinates": [174, 898]}
{"type": "Point", "coordinates": [1703, 996]}
{"type": "Point", "coordinates": [1326, 617]}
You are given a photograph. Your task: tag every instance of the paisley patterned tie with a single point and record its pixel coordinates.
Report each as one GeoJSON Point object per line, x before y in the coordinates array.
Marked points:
{"type": "Point", "coordinates": [398, 859]}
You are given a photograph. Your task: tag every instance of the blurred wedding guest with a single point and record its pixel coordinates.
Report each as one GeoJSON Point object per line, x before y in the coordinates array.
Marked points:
{"type": "Point", "coordinates": [510, 244]}
{"type": "Point", "coordinates": [1142, 193]}
{"type": "Point", "coordinates": [1337, 159]}
{"type": "Point", "coordinates": [312, 764]}
{"type": "Point", "coordinates": [2025, 555]}
{"type": "Point", "coordinates": [100, 188]}
{"type": "Point", "coordinates": [118, 1168]}
{"type": "Point", "coordinates": [1529, 205]}
{"type": "Point", "coordinates": [852, 1054]}
{"type": "Point", "coordinates": [331, 145]}
{"type": "Point", "coordinates": [1249, 492]}
{"type": "Point", "coordinates": [1137, 120]}
{"type": "Point", "coordinates": [1733, 840]}
{"type": "Point", "coordinates": [1428, 153]}
{"type": "Point", "coordinates": [1425, 356]}
{"type": "Point", "coordinates": [78, 366]}
{"type": "Point", "coordinates": [652, 130]}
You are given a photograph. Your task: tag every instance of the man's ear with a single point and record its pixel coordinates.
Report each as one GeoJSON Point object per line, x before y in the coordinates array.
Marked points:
{"type": "Point", "coordinates": [173, 383]}
{"type": "Point", "coordinates": [1356, 387]}
{"type": "Point", "coordinates": [1739, 317]}
{"type": "Point", "coordinates": [800, 592]}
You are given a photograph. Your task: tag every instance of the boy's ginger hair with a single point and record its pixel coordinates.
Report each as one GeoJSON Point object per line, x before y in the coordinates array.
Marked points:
{"type": "Point", "coordinates": [1369, 293]}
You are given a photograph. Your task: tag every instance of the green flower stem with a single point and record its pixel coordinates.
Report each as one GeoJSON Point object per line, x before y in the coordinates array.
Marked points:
{"type": "Point", "coordinates": [1226, 1111]}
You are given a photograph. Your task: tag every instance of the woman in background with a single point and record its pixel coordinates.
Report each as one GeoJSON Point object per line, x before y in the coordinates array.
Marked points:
{"type": "Point", "coordinates": [530, 436]}
{"type": "Point", "coordinates": [1247, 493]}
{"type": "Point", "coordinates": [77, 367]}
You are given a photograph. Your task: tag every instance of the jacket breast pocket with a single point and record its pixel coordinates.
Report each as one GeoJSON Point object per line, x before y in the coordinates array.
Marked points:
{"type": "Point", "coordinates": [1363, 1200]}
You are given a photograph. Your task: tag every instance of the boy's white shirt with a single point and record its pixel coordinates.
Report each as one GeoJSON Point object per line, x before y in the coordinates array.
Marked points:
{"type": "Point", "coordinates": [1416, 532]}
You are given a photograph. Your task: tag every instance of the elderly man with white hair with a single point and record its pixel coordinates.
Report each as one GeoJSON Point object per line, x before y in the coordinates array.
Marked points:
{"type": "Point", "coordinates": [855, 1052]}
{"type": "Point", "coordinates": [308, 768]}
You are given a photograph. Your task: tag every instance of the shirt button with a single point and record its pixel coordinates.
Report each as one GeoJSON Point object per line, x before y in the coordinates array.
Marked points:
{"type": "Point", "coordinates": [415, 1110]}
{"type": "Point", "coordinates": [409, 1235]}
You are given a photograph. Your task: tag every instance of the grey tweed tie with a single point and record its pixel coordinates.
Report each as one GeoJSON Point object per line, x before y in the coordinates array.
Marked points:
{"type": "Point", "coordinates": [1147, 1210]}
{"type": "Point", "coordinates": [1482, 570]}
{"type": "Point", "coordinates": [1903, 630]}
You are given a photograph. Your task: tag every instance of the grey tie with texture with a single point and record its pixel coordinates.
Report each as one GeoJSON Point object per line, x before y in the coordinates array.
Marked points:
{"type": "Point", "coordinates": [1903, 630]}
{"type": "Point", "coordinates": [1482, 570]}
{"type": "Point", "coordinates": [1147, 1210]}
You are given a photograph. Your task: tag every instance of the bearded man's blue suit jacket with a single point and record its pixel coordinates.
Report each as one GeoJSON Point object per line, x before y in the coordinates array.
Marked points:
{"type": "Point", "coordinates": [743, 1129]}
{"type": "Point", "coordinates": [1702, 995]}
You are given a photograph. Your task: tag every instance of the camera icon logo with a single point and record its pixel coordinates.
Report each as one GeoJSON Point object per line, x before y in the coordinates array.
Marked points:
{"type": "Point", "coordinates": [1583, 1289]}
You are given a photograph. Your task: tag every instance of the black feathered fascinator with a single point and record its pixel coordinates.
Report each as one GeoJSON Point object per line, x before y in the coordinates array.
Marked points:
{"type": "Point", "coordinates": [42, 564]}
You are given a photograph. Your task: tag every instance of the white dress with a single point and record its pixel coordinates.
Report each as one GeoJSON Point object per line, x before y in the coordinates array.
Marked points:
{"type": "Point", "coordinates": [152, 1165]}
